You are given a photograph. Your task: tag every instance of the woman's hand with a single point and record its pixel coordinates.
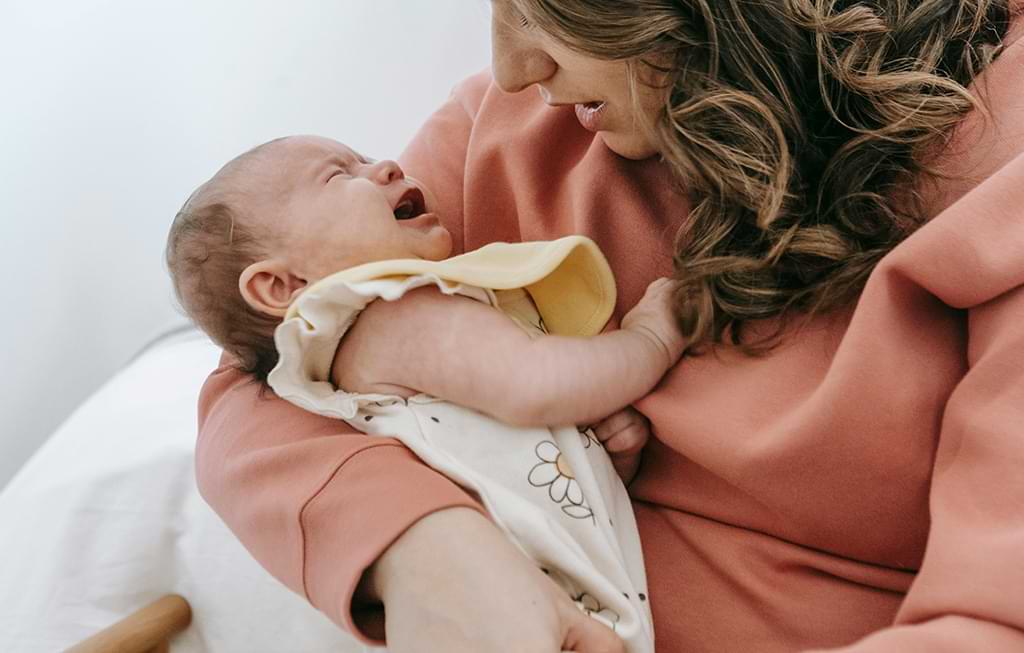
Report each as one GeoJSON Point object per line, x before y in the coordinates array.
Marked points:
{"type": "Point", "coordinates": [453, 583]}
{"type": "Point", "coordinates": [654, 317]}
{"type": "Point", "coordinates": [623, 436]}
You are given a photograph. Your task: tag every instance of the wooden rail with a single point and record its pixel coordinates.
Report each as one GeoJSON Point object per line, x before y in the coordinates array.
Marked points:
{"type": "Point", "coordinates": [147, 630]}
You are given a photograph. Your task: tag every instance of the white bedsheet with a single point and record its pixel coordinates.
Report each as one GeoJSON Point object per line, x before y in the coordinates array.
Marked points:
{"type": "Point", "coordinates": [106, 518]}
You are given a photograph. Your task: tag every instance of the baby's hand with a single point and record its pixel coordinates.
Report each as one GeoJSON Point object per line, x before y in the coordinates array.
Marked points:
{"type": "Point", "coordinates": [624, 435]}
{"type": "Point", "coordinates": [654, 317]}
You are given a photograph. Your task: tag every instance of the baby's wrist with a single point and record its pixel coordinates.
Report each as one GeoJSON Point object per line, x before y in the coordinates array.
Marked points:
{"type": "Point", "coordinates": [659, 350]}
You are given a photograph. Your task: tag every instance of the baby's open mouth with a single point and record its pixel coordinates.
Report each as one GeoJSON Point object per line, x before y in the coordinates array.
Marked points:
{"type": "Point", "coordinates": [410, 204]}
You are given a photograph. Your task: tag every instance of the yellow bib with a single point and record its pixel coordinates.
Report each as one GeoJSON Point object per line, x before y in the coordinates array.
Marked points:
{"type": "Point", "coordinates": [568, 279]}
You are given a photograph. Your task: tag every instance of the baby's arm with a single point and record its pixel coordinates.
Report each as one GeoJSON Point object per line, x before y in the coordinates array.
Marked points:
{"type": "Point", "coordinates": [466, 352]}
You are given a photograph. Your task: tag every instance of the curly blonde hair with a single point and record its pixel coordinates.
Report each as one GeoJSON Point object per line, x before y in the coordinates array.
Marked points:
{"type": "Point", "coordinates": [796, 128]}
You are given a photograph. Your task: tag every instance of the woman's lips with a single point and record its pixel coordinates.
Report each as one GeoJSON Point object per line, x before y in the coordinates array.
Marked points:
{"type": "Point", "coordinates": [590, 114]}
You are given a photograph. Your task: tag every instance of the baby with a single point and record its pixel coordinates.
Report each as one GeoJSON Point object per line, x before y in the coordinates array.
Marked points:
{"type": "Point", "coordinates": [463, 361]}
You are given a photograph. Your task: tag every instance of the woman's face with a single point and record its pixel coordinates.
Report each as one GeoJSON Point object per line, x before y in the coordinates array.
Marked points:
{"type": "Point", "coordinates": [598, 90]}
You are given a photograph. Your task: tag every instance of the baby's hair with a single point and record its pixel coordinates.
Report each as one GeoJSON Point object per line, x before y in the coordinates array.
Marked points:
{"type": "Point", "coordinates": [212, 240]}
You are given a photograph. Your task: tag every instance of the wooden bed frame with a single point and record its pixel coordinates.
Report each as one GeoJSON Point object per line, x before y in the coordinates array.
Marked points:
{"type": "Point", "coordinates": [147, 630]}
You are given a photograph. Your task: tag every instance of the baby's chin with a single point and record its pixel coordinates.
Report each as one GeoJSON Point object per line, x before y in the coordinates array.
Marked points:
{"type": "Point", "coordinates": [441, 240]}
{"type": "Point", "coordinates": [433, 240]}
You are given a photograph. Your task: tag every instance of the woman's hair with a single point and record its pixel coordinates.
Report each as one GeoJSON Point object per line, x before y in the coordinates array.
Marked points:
{"type": "Point", "coordinates": [211, 241]}
{"type": "Point", "coordinates": [796, 128]}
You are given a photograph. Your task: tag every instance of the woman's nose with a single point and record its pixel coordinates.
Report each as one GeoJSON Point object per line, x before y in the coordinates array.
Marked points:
{"type": "Point", "coordinates": [516, 63]}
{"type": "Point", "coordinates": [384, 172]}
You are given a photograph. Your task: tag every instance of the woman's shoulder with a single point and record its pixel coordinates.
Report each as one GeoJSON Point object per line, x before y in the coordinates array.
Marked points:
{"type": "Point", "coordinates": [470, 92]}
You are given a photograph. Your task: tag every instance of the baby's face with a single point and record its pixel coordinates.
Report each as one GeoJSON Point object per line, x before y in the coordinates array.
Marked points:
{"type": "Point", "coordinates": [336, 209]}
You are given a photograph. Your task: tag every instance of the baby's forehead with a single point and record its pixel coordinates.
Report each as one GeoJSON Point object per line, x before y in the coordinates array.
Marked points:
{"type": "Point", "coordinates": [294, 161]}
{"type": "Point", "coordinates": [313, 148]}
{"type": "Point", "coordinates": [275, 169]}
{"type": "Point", "coordinates": [270, 167]}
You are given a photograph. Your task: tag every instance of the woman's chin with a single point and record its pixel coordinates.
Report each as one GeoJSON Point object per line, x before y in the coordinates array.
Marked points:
{"type": "Point", "coordinates": [628, 146]}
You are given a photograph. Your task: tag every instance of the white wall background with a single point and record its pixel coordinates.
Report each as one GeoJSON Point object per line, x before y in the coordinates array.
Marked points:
{"type": "Point", "coordinates": [112, 111]}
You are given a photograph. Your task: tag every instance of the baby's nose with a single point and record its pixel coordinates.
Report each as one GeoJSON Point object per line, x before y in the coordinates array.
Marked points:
{"type": "Point", "coordinates": [385, 172]}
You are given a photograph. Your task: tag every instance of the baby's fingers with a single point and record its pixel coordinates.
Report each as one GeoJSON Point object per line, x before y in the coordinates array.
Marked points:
{"type": "Point", "coordinates": [624, 432]}
{"type": "Point", "coordinates": [615, 422]}
{"type": "Point", "coordinates": [623, 436]}
{"type": "Point", "coordinates": [627, 441]}
{"type": "Point", "coordinates": [659, 287]}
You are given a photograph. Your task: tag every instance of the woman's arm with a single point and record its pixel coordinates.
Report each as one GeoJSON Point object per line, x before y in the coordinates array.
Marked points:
{"type": "Point", "coordinates": [313, 500]}
{"type": "Point", "coordinates": [466, 352]}
{"type": "Point", "coordinates": [462, 619]}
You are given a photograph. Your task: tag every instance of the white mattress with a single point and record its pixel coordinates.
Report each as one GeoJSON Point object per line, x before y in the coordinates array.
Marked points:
{"type": "Point", "coordinates": [106, 518]}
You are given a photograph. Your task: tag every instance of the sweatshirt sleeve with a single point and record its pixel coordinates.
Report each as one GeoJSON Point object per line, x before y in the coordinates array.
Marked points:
{"type": "Point", "coordinates": [969, 592]}
{"type": "Point", "coordinates": [314, 501]}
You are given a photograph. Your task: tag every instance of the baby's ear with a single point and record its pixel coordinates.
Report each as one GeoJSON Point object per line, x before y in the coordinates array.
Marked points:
{"type": "Point", "coordinates": [269, 286]}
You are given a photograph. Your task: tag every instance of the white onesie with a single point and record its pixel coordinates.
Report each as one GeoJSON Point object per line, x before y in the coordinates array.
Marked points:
{"type": "Point", "coordinates": [553, 491]}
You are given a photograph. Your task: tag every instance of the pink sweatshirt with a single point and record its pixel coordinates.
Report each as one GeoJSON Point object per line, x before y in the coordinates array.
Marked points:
{"type": "Point", "coordinates": [861, 488]}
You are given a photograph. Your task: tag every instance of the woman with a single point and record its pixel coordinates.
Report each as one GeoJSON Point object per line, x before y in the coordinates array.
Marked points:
{"type": "Point", "coordinates": [837, 464]}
